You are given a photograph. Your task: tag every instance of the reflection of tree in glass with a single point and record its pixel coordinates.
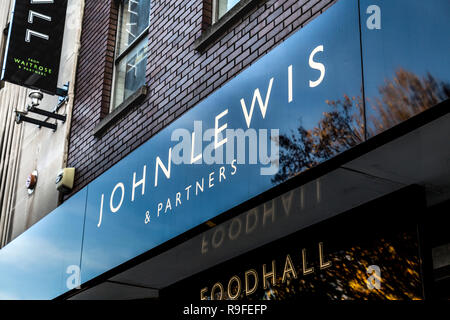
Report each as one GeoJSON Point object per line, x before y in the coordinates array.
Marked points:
{"type": "Point", "coordinates": [403, 97]}
{"type": "Point", "coordinates": [347, 278]}
{"type": "Point", "coordinates": [399, 266]}
{"type": "Point", "coordinates": [343, 127]}
{"type": "Point", "coordinates": [339, 129]}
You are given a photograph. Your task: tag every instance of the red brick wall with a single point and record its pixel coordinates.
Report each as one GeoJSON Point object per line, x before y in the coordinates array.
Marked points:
{"type": "Point", "coordinates": [178, 77]}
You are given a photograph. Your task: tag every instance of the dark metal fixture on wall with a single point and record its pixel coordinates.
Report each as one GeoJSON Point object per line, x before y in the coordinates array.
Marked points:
{"type": "Point", "coordinates": [32, 107]}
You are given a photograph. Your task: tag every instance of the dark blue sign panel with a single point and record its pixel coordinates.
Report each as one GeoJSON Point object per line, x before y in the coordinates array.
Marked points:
{"type": "Point", "coordinates": [406, 47]}
{"type": "Point", "coordinates": [286, 113]}
{"type": "Point", "coordinates": [44, 261]}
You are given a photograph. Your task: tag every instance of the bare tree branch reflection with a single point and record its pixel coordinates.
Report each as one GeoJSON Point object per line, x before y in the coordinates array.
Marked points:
{"type": "Point", "coordinates": [343, 126]}
{"type": "Point", "coordinates": [347, 278]}
{"type": "Point", "coordinates": [403, 97]}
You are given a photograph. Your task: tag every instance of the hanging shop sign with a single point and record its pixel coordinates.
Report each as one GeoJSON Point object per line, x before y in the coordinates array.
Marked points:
{"type": "Point", "coordinates": [34, 44]}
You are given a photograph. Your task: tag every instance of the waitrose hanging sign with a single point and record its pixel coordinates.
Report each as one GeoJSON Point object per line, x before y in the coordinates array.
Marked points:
{"type": "Point", "coordinates": [34, 44]}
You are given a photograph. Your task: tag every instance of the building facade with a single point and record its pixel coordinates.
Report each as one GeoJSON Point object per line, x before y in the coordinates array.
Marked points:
{"type": "Point", "coordinates": [254, 150]}
{"type": "Point", "coordinates": [29, 150]}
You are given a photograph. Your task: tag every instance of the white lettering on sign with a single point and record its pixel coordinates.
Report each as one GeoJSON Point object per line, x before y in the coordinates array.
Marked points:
{"type": "Point", "coordinates": [190, 150]}
{"type": "Point", "coordinates": [262, 106]}
{"type": "Point", "coordinates": [31, 15]}
{"type": "Point", "coordinates": [317, 66]}
{"type": "Point", "coordinates": [113, 208]}
{"type": "Point", "coordinates": [164, 168]}
{"type": "Point", "coordinates": [101, 212]}
{"type": "Point", "coordinates": [29, 33]}
{"type": "Point", "coordinates": [218, 130]}
{"type": "Point", "coordinates": [140, 182]}
{"type": "Point", "coordinates": [197, 157]}
{"type": "Point", "coordinates": [290, 93]}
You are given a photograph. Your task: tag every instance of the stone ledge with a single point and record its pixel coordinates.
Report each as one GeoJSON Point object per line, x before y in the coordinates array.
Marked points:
{"type": "Point", "coordinates": [217, 29]}
{"type": "Point", "coordinates": [118, 112]}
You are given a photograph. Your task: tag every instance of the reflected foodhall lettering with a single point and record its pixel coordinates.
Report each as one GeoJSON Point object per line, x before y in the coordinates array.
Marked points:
{"type": "Point", "coordinates": [249, 281]}
{"type": "Point", "coordinates": [271, 214]}
{"type": "Point", "coordinates": [238, 226]}
{"type": "Point", "coordinates": [122, 192]}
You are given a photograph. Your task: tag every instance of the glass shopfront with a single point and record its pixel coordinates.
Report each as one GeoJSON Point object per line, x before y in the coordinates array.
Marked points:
{"type": "Point", "coordinates": [370, 252]}
{"type": "Point", "coordinates": [439, 243]}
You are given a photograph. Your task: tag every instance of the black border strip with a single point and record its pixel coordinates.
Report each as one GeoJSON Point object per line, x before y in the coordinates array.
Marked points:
{"type": "Point", "coordinates": [371, 144]}
{"type": "Point", "coordinates": [363, 85]}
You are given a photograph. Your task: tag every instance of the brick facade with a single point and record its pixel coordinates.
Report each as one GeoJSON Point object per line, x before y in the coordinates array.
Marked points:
{"type": "Point", "coordinates": [178, 77]}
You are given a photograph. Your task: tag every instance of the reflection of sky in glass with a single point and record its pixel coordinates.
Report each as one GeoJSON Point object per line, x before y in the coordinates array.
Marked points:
{"type": "Point", "coordinates": [231, 3]}
{"type": "Point", "coordinates": [34, 265]}
{"type": "Point", "coordinates": [224, 6]}
{"type": "Point", "coordinates": [134, 20]}
{"type": "Point", "coordinates": [413, 36]}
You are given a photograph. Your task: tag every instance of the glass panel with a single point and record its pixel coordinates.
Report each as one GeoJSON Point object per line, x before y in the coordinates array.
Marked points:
{"type": "Point", "coordinates": [405, 47]}
{"type": "Point", "coordinates": [439, 240]}
{"type": "Point", "coordinates": [130, 73]}
{"type": "Point", "coordinates": [134, 19]}
{"type": "Point", "coordinates": [223, 6]}
{"type": "Point", "coordinates": [44, 261]}
{"type": "Point", "coordinates": [306, 205]}
{"type": "Point", "coordinates": [348, 257]}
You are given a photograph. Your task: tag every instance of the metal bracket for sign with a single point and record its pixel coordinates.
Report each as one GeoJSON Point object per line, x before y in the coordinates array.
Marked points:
{"type": "Point", "coordinates": [63, 98]}
{"type": "Point", "coordinates": [22, 117]}
{"type": "Point", "coordinates": [47, 113]}
{"type": "Point", "coordinates": [63, 92]}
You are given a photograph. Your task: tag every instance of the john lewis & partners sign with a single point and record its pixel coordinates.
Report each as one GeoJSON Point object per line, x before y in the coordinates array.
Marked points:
{"type": "Point", "coordinates": [225, 150]}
